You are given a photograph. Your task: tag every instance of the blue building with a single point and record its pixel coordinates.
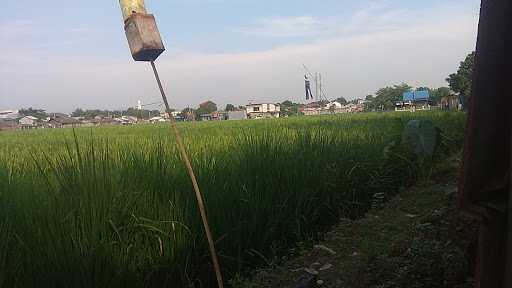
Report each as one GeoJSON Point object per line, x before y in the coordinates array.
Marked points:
{"type": "Point", "coordinates": [414, 100]}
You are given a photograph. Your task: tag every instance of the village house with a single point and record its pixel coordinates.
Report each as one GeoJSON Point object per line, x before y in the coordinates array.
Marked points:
{"type": "Point", "coordinates": [214, 116]}
{"type": "Point", "coordinates": [28, 122]}
{"type": "Point", "coordinates": [9, 114]}
{"type": "Point", "coordinates": [334, 107]}
{"type": "Point", "coordinates": [59, 120]}
{"type": "Point", "coordinates": [263, 110]}
{"type": "Point", "coordinates": [414, 100]}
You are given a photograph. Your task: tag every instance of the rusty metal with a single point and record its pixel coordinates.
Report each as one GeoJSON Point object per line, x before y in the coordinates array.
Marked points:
{"type": "Point", "coordinates": [143, 37]}
{"type": "Point", "coordinates": [485, 191]}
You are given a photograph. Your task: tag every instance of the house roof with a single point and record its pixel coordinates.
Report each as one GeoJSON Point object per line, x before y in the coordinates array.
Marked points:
{"type": "Point", "coordinates": [257, 104]}
{"type": "Point", "coordinates": [63, 119]}
{"type": "Point", "coordinates": [31, 117]}
{"type": "Point", "coordinates": [416, 95]}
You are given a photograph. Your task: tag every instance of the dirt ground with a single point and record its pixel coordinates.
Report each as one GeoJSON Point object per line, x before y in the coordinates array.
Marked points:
{"type": "Point", "coordinates": [418, 239]}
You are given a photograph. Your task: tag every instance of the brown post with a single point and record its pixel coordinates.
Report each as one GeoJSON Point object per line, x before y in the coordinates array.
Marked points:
{"type": "Point", "coordinates": [485, 184]}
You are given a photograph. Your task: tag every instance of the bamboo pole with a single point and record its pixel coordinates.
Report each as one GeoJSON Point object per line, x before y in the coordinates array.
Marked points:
{"type": "Point", "coordinates": [199, 196]}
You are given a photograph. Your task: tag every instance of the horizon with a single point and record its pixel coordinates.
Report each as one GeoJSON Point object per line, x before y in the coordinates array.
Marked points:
{"type": "Point", "coordinates": [74, 55]}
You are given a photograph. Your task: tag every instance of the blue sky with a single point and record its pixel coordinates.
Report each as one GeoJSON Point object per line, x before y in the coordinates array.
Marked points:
{"type": "Point", "coordinates": [60, 55]}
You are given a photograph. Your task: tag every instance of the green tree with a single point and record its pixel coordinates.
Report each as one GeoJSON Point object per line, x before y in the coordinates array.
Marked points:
{"type": "Point", "coordinates": [78, 113]}
{"type": "Point", "coordinates": [288, 108]}
{"type": "Point", "coordinates": [38, 113]}
{"type": "Point", "coordinates": [385, 98]}
{"type": "Point", "coordinates": [369, 105]}
{"type": "Point", "coordinates": [206, 108]}
{"type": "Point", "coordinates": [341, 100]}
{"type": "Point", "coordinates": [437, 94]}
{"type": "Point", "coordinates": [188, 113]}
{"type": "Point", "coordinates": [461, 81]}
{"type": "Point", "coordinates": [230, 107]}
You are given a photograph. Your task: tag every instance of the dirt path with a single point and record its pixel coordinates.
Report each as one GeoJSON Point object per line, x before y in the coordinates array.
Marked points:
{"type": "Point", "coordinates": [419, 239]}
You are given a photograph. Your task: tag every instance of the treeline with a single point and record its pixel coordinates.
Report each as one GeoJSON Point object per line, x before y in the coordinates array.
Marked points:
{"type": "Point", "coordinates": [383, 99]}
{"type": "Point", "coordinates": [459, 83]}
{"type": "Point", "coordinates": [92, 113]}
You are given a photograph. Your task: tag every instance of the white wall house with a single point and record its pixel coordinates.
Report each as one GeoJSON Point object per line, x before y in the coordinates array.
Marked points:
{"type": "Point", "coordinates": [263, 110]}
{"type": "Point", "coordinates": [28, 122]}
{"type": "Point", "coordinates": [334, 105]}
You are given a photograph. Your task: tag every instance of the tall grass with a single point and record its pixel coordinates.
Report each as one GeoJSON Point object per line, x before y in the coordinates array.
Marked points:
{"type": "Point", "coordinates": [113, 207]}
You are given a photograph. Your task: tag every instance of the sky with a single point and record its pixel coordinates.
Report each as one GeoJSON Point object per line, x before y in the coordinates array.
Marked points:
{"type": "Point", "coordinates": [60, 55]}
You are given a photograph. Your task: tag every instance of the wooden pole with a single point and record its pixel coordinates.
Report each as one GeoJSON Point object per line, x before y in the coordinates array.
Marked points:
{"type": "Point", "coordinates": [199, 196]}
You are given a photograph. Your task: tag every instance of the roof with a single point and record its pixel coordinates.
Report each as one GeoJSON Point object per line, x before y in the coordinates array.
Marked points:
{"type": "Point", "coordinates": [62, 119]}
{"type": "Point", "coordinates": [421, 95]}
{"type": "Point", "coordinates": [31, 117]}
{"type": "Point", "coordinates": [257, 104]}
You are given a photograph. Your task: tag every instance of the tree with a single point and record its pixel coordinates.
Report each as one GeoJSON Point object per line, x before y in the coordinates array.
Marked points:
{"type": "Point", "coordinates": [206, 108]}
{"type": "Point", "coordinates": [461, 81]}
{"type": "Point", "coordinates": [439, 93]}
{"type": "Point", "coordinates": [78, 113]}
{"type": "Point", "coordinates": [288, 108]}
{"type": "Point", "coordinates": [385, 98]}
{"type": "Point", "coordinates": [230, 107]}
{"type": "Point", "coordinates": [188, 114]}
{"type": "Point", "coordinates": [38, 113]}
{"type": "Point", "coordinates": [341, 100]}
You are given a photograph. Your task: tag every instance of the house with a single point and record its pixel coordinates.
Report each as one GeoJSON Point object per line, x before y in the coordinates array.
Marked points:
{"type": "Point", "coordinates": [334, 105]}
{"type": "Point", "coordinates": [100, 121]}
{"type": "Point", "coordinates": [413, 101]}
{"type": "Point", "coordinates": [9, 114]}
{"type": "Point", "coordinates": [237, 115]}
{"type": "Point", "coordinates": [126, 120]}
{"type": "Point", "coordinates": [157, 119]}
{"type": "Point", "coordinates": [214, 116]}
{"type": "Point", "coordinates": [28, 122]}
{"type": "Point", "coordinates": [59, 120]}
{"type": "Point", "coordinates": [263, 110]}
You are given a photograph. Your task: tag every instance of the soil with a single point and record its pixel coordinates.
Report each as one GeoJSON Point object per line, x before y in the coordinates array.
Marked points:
{"type": "Point", "coordinates": [418, 239]}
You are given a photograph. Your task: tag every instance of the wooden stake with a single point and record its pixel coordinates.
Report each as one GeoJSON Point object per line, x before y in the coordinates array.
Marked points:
{"type": "Point", "coordinates": [199, 196]}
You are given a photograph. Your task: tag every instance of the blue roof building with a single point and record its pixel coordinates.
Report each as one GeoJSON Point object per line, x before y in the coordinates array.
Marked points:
{"type": "Point", "coordinates": [414, 100]}
{"type": "Point", "coordinates": [415, 96]}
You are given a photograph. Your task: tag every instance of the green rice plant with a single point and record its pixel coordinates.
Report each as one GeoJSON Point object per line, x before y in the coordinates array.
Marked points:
{"type": "Point", "coordinates": [113, 206]}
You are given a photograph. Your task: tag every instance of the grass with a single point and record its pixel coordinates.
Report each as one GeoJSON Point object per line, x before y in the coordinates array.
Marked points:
{"type": "Point", "coordinates": [418, 239]}
{"type": "Point", "coordinates": [113, 206]}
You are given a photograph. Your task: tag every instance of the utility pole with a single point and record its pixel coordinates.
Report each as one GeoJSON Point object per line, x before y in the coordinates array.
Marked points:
{"type": "Point", "coordinates": [320, 83]}
{"type": "Point", "coordinates": [316, 85]}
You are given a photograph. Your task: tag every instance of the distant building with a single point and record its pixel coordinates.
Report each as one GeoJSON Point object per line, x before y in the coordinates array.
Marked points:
{"type": "Point", "coordinates": [414, 100]}
{"type": "Point", "coordinates": [263, 110]}
{"type": "Point", "coordinates": [28, 122]}
{"type": "Point", "coordinates": [332, 108]}
{"type": "Point", "coordinates": [214, 116]}
{"type": "Point", "coordinates": [9, 114]}
{"type": "Point", "coordinates": [59, 120]}
{"type": "Point", "coordinates": [237, 115]}
{"type": "Point", "coordinates": [126, 120]}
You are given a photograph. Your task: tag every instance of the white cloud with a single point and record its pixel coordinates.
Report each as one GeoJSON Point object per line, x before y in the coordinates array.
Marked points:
{"type": "Point", "coordinates": [301, 26]}
{"type": "Point", "coordinates": [377, 16]}
{"type": "Point", "coordinates": [353, 65]}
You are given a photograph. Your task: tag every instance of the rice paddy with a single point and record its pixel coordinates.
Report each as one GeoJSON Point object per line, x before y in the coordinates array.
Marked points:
{"type": "Point", "coordinates": [114, 207]}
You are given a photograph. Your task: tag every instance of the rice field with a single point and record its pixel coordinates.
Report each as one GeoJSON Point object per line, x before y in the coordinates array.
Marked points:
{"type": "Point", "coordinates": [114, 207]}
